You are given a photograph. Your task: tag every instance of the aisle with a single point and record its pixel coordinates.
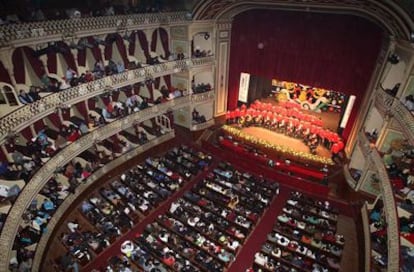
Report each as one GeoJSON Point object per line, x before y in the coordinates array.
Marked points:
{"type": "Point", "coordinates": [245, 258]}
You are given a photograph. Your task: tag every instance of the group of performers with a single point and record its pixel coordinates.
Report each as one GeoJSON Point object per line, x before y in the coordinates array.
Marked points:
{"type": "Point", "coordinates": [289, 120]}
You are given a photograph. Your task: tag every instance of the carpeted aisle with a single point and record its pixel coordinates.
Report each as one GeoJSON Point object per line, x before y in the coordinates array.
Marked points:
{"type": "Point", "coordinates": [245, 257]}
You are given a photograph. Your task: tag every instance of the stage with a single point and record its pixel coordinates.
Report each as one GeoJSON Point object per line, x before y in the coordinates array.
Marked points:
{"type": "Point", "coordinates": [283, 140]}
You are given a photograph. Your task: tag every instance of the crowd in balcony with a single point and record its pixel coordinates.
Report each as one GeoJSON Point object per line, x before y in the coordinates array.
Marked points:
{"type": "Point", "coordinates": [36, 11]}
{"type": "Point", "coordinates": [304, 237]}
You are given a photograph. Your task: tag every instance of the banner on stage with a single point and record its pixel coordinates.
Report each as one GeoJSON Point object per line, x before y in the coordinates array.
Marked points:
{"type": "Point", "coordinates": [244, 87]}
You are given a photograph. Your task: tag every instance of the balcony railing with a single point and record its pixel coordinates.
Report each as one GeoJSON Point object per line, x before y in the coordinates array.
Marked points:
{"type": "Point", "coordinates": [367, 237]}
{"type": "Point", "coordinates": [30, 33]}
{"type": "Point", "coordinates": [389, 105]}
{"type": "Point", "coordinates": [389, 203]}
{"type": "Point", "coordinates": [41, 247]}
{"type": "Point", "coordinates": [348, 177]}
{"type": "Point", "coordinates": [41, 177]}
{"type": "Point", "coordinates": [28, 114]}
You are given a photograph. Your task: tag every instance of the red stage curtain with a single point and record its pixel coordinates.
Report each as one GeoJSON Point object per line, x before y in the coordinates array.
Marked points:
{"type": "Point", "coordinates": [164, 42]}
{"type": "Point", "coordinates": [143, 42]}
{"type": "Point", "coordinates": [4, 75]}
{"type": "Point", "coordinates": [335, 52]}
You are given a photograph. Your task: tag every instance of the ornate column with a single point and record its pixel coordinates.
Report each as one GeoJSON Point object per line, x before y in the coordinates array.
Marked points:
{"type": "Point", "coordinates": [223, 34]}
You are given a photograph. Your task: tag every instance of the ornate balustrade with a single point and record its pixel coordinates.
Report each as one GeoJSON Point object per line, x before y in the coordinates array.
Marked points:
{"type": "Point", "coordinates": [41, 246]}
{"type": "Point", "coordinates": [388, 200]}
{"type": "Point", "coordinates": [367, 237]}
{"type": "Point", "coordinates": [30, 33]}
{"type": "Point", "coordinates": [389, 105]}
{"type": "Point", "coordinates": [41, 177]}
{"type": "Point", "coordinates": [28, 114]}
{"type": "Point", "coordinates": [348, 177]}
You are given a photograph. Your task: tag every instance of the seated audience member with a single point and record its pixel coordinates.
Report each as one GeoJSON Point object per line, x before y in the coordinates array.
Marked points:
{"type": "Point", "coordinates": [120, 67]}
{"type": "Point", "coordinates": [25, 98]}
{"type": "Point", "coordinates": [34, 94]}
{"type": "Point", "coordinates": [409, 102]}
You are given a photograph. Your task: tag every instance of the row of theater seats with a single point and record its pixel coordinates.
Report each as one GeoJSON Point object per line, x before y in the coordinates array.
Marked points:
{"type": "Point", "coordinates": [303, 238]}
{"type": "Point", "coordinates": [120, 204]}
{"type": "Point", "coordinates": [203, 230]}
{"type": "Point", "coordinates": [64, 182]}
{"type": "Point", "coordinates": [379, 242]}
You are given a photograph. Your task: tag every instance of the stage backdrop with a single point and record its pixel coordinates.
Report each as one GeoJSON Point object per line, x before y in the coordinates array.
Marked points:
{"type": "Point", "coordinates": [329, 51]}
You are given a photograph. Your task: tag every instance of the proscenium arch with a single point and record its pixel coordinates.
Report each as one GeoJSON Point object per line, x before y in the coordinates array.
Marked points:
{"type": "Point", "coordinates": [387, 14]}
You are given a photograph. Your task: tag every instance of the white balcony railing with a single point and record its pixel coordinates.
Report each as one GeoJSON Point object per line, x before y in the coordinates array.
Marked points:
{"type": "Point", "coordinates": [30, 33]}
{"type": "Point", "coordinates": [393, 237]}
{"type": "Point", "coordinates": [393, 107]}
{"type": "Point", "coordinates": [28, 114]}
{"type": "Point", "coordinates": [42, 245]}
{"type": "Point", "coordinates": [41, 177]}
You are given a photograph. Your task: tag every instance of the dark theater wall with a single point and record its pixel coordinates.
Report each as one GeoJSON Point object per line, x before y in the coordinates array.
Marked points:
{"type": "Point", "coordinates": [329, 51]}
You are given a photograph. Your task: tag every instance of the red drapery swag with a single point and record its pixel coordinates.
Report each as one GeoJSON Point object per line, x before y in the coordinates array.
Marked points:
{"type": "Point", "coordinates": [164, 42]}
{"type": "Point", "coordinates": [39, 125]}
{"type": "Point", "coordinates": [55, 119]}
{"type": "Point", "coordinates": [96, 51]}
{"type": "Point", "coordinates": [167, 80]}
{"type": "Point", "coordinates": [81, 107]}
{"type": "Point", "coordinates": [335, 52]}
{"type": "Point", "coordinates": [91, 103]}
{"type": "Point", "coordinates": [131, 48]}
{"type": "Point", "coordinates": [52, 62]}
{"type": "Point", "coordinates": [122, 49]}
{"type": "Point", "coordinates": [143, 42]}
{"type": "Point", "coordinates": [4, 75]}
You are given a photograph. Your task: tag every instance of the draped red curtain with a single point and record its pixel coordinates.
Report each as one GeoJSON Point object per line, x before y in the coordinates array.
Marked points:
{"type": "Point", "coordinates": [105, 100]}
{"type": "Point", "coordinates": [65, 114]}
{"type": "Point", "coordinates": [151, 91]}
{"type": "Point", "coordinates": [167, 80]}
{"type": "Point", "coordinates": [122, 49]}
{"type": "Point", "coordinates": [82, 57]}
{"type": "Point", "coordinates": [36, 64]}
{"type": "Point", "coordinates": [4, 75]}
{"type": "Point", "coordinates": [143, 42]}
{"type": "Point", "coordinates": [96, 51]}
{"type": "Point", "coordinates": [3, 156]}
{"type": "Point", "coordinates": [128, 91]}
{"type": "Point", "coordinates": [136, 89]}
{"type": "Point", "coordinates": [164, 41]}
{"type": "Point", "coordinates": [52, 62]}
{"type": "Point", "coordinates": [55, 119]}
{"type": "Point", "coordinates": [18, 66]}
{"type": "Point", "coordinates": [115, 96]}
{"type": "Point", "coordinates": [154, 39]}
{"type": "Point", "coordinates": [91, 103]}
{"type": "Point", "coordinates": [157, 82]}
{"type": "Point", "coordinates": [39, 125]}
{"type": "Point", "coordinates": [81, 107]}
{"type": "Point", "coordinates": [335, 52]}
{"type": "Point", "coordinates": [108, 48]}
{"type": "Point", "coordinates": [27, 133]}
{"type": "Point", "coordinates": [131, 48]}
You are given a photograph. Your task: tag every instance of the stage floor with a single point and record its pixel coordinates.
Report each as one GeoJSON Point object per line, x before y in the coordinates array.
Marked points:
{"type": "Point", "coordinates": [283, 140]}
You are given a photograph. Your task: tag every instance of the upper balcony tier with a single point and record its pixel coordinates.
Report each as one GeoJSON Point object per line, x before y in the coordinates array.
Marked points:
{"type": "Point", "coordinates": [16, 35]}
{"type": "Point", "coordinates": [27, 114]}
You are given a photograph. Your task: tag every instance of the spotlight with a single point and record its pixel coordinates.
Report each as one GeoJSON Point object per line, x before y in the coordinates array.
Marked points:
{"type": "Point", "coordinates": [394, 58]}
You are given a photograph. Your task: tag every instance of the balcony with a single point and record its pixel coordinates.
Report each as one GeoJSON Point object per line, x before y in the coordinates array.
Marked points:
{"type": "Point", "coordinates": [63, 157]}
{"type": "Point", "coordinates": [27, 114]}
{"type": "Point", "coordinates": [202, 126]}
{"type": "Point", "coordinates": [391, 106]}
{"type": "Point", "coordinates": [16, 35]}
{"type": "Point", "coordinates": [42, 245]}
{"type": "Point", "coordinates": [393, 235]}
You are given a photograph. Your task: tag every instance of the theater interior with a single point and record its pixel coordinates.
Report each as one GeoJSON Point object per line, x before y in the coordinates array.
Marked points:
{"type": "Point", "coordinates": [213, 135]}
